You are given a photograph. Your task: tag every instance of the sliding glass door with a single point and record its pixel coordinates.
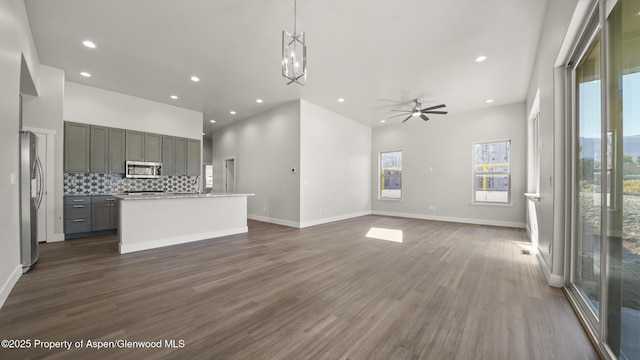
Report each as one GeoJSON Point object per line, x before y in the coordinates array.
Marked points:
{"type": "Point", "coordinates": [622, 332]}
{"type": "Point", "coordinates": [589, 177]}
{"type": "Point", "coordinates": [605, 256]}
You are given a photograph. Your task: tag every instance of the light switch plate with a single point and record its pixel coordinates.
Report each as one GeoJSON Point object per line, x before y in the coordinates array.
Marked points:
{"type": "Point", "coordinates": [13, 178]}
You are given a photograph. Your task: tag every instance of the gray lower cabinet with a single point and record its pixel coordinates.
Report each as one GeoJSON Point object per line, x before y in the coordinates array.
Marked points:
{"type": "Point", "coordinates": [86, 214]}
{"type": "Point", "coordinates": [77, 138]}
{"type": "Point", "coordinates": [77, 214]}
{"type": "Point", "coordinates": [104, 213]}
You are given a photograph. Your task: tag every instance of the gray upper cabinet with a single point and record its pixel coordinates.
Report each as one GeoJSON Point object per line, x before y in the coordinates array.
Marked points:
{"type": "Point", "coordinates": [99, 149]}
{"type": "Point", "coordinates": [193, 157]}
{"type": "Point", "coordinates": [143, 146]}
{"type": "Point", "coordinates": [135, 145]}
{"type": "Point", "coordinates": [152, 147]}
{"type": "Point", "coordinates": [167, 155]}
{"type": "Point", "coordinates": [107, 150]}
{"type": "Point", "coordinates": [116, 151]}
{"type": "Point", "coordinates": [76, 147]}
{"type": "Point", "coordinates": [180, 156]}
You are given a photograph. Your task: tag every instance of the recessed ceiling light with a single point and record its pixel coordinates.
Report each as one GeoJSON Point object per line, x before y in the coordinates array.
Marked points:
{"type": "Point", "coordinates": [89, 44]}
{"type": "Point", "coordinates": [481, 58]}
{"type": "Point", "coordinates": [212, 121]}
{"type": "Point", "coordinates": [383, 121]}
{"type": "Point", "coordinates": [232, 112]}
{"type": "Point", "coordinates": [489, 101]}
{"type": "Point", "coordinates": [202, 134]}
{"type": "Point", "coordinates": [341, 100]}
{"type": "Point", "coordinates": [174, 97]}
{"type": "Point", "coordinates": [259, 101]}
{"type": "Point", "coordinates": [195, 78]}
{"type": "Point", "coordinates": [85, 74]}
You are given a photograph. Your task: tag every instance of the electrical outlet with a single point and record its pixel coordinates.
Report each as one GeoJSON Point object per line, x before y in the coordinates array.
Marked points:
{"type": "Point", "coordinates": [264, 208]}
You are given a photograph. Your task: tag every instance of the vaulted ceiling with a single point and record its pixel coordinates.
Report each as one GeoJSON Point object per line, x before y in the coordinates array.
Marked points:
{"type": "Point", "coordinates": [376, 54]}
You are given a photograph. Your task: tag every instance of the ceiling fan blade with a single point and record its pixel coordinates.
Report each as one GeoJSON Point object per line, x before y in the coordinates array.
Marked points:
{"type": "Point", "coordinates": [391, 117]}
{"type": "Point", "coordinates": [434, 112]}
{"type": "Point", "coordinates": [434, 107]}
{"type": "Point", "coordinates": [410, 116]}
{"type": "Point", "coordinates": [423, 117]}
{"type": "Point", "coordinates": [401, 110]}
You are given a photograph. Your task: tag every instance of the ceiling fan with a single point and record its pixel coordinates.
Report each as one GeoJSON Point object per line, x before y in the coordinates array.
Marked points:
{"type": "Point", "coordinates": [419, 111]}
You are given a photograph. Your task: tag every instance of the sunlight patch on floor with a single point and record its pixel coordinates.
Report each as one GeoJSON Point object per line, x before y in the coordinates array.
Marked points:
{"type": "Point", "coordinates": [385, 234]}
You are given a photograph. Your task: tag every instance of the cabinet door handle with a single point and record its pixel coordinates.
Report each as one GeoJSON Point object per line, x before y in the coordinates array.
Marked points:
{"type": "Point", "coordinates": [78, 206]}
{"type": "Point", "coordinates": [109, 199]}
{"type": "Point", "coordinates": [78, 200]}
{"type": "Point", "coordinates": [78, 220]}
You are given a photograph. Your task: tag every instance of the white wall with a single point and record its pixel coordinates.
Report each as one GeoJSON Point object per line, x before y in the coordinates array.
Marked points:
{"type": "Point", "coordinates": [45, 112]}
{"type": "Point", "coordinates": [15, 41]}
{"type": "Point", "coordinates": [335, 166]}
{"type": "Point", "coordinates": [89, 105]}
{"type": "Point", "coordinates": [549, 79]}
{"type": "Point", "coordinates": [437, 159]}
{"type": "Point", "coordinates": [266, 147]}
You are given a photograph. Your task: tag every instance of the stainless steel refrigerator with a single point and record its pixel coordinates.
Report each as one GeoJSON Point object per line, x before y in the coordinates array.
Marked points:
{"type": "Point", "coordinates": [31, 193]}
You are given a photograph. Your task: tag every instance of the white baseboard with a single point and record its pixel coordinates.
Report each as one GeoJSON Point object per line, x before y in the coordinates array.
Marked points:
{"type": "Point", "coordinates": [56, 238]}
{"type": "Point", "coordinates": [9, 284]}
{"type": "Point", "coordinates": [274, 221]}
{"type": "Point", "coordinates": [453, 219]}
{"type": "Point", "coordinates": [180, 240]}
{"type": "Point", "coordinates": [554, 280]}
{"type": "Point", "coordinates": [333, 218]}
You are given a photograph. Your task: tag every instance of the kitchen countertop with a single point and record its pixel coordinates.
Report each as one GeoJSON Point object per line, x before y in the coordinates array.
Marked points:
{"type": "Point", "coordinates": [90, 194]}
{"type": "Point", "coordinates": [176, 196]}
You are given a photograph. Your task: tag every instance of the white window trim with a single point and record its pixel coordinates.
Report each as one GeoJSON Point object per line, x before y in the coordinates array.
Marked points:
{"type": "Point", "coordinates": [508, 203]}
{"type": "Point", "coordinates": [379, 176]}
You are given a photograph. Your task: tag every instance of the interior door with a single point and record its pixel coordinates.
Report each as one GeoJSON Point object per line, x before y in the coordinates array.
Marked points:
{"type": "Point", "coordinates": [230, 175]}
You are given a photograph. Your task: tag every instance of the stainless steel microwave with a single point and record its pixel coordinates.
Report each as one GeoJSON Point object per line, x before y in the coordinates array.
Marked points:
{"type": "Point", "coordinates": [143, 169]}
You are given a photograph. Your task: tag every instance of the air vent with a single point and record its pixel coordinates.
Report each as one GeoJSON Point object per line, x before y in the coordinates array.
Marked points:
{"type": "Point", "coordinates": [525, 252]}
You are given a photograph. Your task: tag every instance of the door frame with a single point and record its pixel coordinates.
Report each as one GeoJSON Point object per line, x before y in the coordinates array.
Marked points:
{"type": "Point", "coordinates": [235, 172]}
{"type": "Point", "coordinates": [49, 178]}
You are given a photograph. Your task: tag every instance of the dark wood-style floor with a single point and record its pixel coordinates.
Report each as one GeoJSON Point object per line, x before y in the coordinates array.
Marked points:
{"type": "Point", "coordinates": [448, 291]}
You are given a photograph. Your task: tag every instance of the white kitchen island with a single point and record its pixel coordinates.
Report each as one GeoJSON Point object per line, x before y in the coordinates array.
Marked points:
{"type": "Point", "coordinates": [152, 221]}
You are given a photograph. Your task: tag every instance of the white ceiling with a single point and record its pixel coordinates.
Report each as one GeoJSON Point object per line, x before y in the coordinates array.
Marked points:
{"type": "Point", "coordinates": [375, 53]}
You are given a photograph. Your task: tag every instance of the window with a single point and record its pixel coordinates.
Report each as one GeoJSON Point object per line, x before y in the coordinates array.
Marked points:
{"type": "Point", "coordinates": [492, 172]}
{"type": "Point", "coordinates": [391, 175]}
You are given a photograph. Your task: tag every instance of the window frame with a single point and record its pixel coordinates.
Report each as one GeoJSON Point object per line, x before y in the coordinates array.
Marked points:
{"type": "Point", "coordinates": [475, 173]}
{"type": "Point", "coordinates": [381, 177]}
